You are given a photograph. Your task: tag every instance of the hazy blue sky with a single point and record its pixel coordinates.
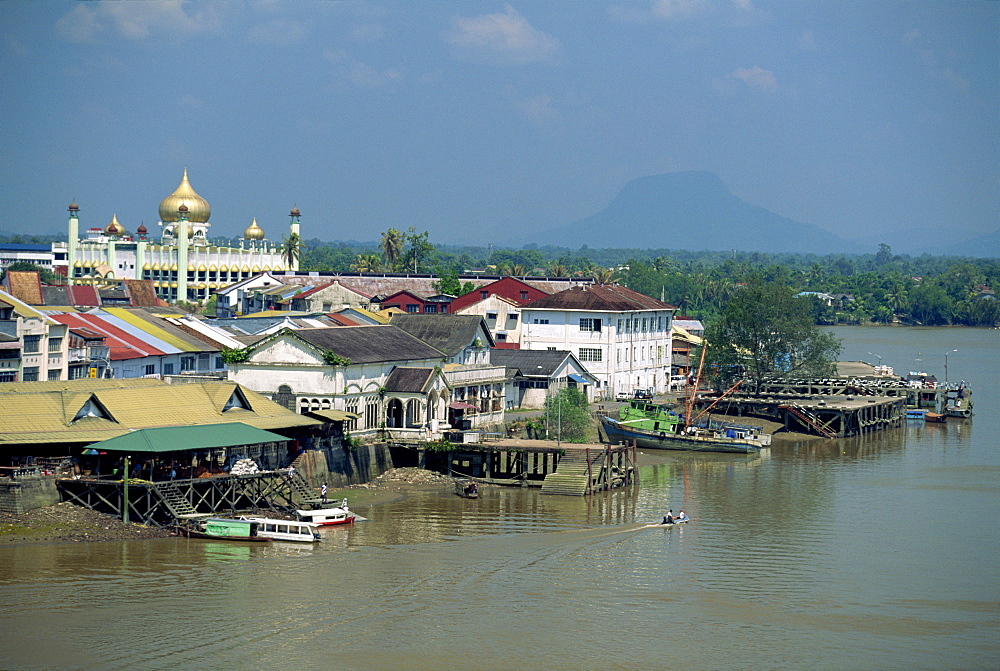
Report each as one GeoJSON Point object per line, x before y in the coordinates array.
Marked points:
{"type": "Point", "coordinates": [861, 117]}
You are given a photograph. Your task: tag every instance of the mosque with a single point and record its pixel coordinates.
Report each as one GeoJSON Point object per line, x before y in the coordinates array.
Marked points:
{"type": "Point", "coordinates": [184, 265]}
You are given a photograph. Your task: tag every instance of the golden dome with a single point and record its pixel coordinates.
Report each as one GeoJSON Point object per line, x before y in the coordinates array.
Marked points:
{"type": "Point", "coordinates": [173, 267]}
{"type": "Point", "coordinates": [224, 268]}
{"type": "Point", "coordinates": [146, 266]}
{"type": "Point", "coordinates": [213, 268]}
{"type": "Point", "coordinates": [253, 232]}
{"type": "Point", "coordinates": [198, 208]}
{"type": "Point", "coordinates": [114, 228]}
{"type": "Point", "coordinates": [202, 268]}
{"type": "Point", "coordinates": [156, 266]}
{"type": "Point", "coordinates": [190, 268]}
{"type": "Point", "coordinates": [78, 264]}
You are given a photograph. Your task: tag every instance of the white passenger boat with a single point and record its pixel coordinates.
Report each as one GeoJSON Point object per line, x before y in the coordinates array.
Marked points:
{"type": "Point", "coordinates": [326, 517]}
{"type": "Point", "coordinates": [286, 530]}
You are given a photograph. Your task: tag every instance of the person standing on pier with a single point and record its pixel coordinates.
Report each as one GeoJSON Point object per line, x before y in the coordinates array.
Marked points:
{"type": "Point", "coordinates": [322, 492]}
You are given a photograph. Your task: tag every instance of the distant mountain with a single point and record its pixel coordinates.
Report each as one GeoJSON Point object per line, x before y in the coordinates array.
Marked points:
{"type": "Point", "coordinates": [981, 247]}
{"type": "Point", "coordinates": [693, 211]}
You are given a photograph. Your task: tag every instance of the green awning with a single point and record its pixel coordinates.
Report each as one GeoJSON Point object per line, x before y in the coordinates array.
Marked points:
{"type": "Point", "coordinates": [181, 438]}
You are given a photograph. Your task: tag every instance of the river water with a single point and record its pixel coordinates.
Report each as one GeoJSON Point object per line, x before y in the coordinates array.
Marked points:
{"type": "Point", "coordinates": [879, 553]}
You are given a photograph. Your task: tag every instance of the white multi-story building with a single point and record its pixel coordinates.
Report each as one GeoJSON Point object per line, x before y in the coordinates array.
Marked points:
{"type": "Point", "coordinates": [620, 335]}
{"type": "Point", "coordinates": [44, 342]}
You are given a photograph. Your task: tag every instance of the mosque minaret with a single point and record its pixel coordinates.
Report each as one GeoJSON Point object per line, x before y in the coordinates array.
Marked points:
{"type": "Point", "coordinates": [184, 265]}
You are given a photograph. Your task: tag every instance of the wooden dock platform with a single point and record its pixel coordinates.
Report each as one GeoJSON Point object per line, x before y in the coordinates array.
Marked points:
{"type": "Point", "coordinates": [830, 416]}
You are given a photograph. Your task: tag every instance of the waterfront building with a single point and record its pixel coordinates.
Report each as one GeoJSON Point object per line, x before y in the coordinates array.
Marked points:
{"type": "Point", "coordinates": [620, 335]}
{"type": "Point", "coordinates": [42, 343]}
{"type": "Point", "coordinates": [183, 264]}
{"type": "Point", "coordinates": [532, 375]}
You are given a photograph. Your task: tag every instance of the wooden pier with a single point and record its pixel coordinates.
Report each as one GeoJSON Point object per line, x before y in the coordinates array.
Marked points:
{"type": "Point", "coordinates": [564, 468]}
{"type": "Point", "coordinates": [165, 503]}
{"type": "Point", "coordinates": [830, 416]}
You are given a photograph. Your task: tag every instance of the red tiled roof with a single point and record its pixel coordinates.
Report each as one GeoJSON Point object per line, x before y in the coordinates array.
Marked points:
{"type": "Point", "coordinates": [83, 295]}
{"type": "Point", "coordinates": [599, 297]}
{"type": "Point", "coordinates": [141, 293]}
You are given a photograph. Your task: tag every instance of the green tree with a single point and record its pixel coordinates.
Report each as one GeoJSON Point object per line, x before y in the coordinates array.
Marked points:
{"type": "Point", "coordinates": [391, 245]}
{"type": "Point", "coordinates": [567, 415]}
{"type": "Point", "coordinates": [930, 304]}
{"type": "Point", "coordinates": [417, 248]}
{"type": "Point", "coordinates": [291, 250]}
{"type": "Point", "coordinates": [367, 263]}
{"type": "Point", "coordinates": [764, 331]}
{"type": "Point", "coordinates": [448, 283]}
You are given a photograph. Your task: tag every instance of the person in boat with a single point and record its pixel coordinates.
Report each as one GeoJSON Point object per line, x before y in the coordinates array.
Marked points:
{"type": "Point", "coordinates": [669, 519]}
{"type": "Point", "coordinates": [681, 517]}
{"type": "Point", "coordinates": [343, 504]}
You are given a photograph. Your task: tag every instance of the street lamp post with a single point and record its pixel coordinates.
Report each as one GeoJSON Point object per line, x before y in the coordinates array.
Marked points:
{"type": "Point", "coordinates": [879, 357]}
{"type": "Point", "coordinates": [946, 364]}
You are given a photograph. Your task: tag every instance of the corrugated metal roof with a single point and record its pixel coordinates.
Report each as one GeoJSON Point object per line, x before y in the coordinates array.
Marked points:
{"type": "Point", "coordinates": [138, 321]}
{"type": "Point", "coordinates": [599, 297]}
{"type": "Point", "coordinates": [178, 438]}
{"type": "Point", "coordinates": [43, 412]}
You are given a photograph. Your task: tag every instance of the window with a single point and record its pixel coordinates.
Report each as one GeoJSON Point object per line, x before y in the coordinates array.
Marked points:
{"type": "Point", "coordinates": [54, 374]}
{"type": "Point", "coordinates": [219, 363]}
{"type": "Point", "coordinates": [327, 307]}
{"type": "Point", "coordinates": [187, 363]}
{"type": "Point", "coordinates": [168, 369]}
{"type": "Point", "coordinates": [55, 344]}
{"type": "Point", "coordinates": [8, 376]}
{"type": "Point", "coordinates": [151, 369]}
{"type": "Point", "coordinates": [541, 321]}
{"type": "Point", "coordinates": [590, 354]}
{"type": "Point", "coordinates": [512, 319]}
{"type": "Point", "coordinates": [587, 324]}
{"type": "Point", "coordinates": [483, 295]}
{"type": "Point", "coordinates": [31, 346]}
{"type": "Point", "coordinates": [524, 295]}
{"type": "Point", "coordinates": [430, 308]}
{"type": "Point", "coordinates": [501, 337]}
{"type": "Point", "coordinates": [412, 308]}
{"type": "Point", "coordinates": [621, 325]}
{"type": "Point", "coordinates": [30, 374]}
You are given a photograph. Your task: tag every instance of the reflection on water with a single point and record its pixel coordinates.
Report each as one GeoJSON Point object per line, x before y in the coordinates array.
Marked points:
{"type": "Point", "coordinates": [817, 553]}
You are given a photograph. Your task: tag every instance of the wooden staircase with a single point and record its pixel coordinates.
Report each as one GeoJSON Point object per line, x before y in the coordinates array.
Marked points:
{"type": "Point", "coordinates": [174, 501]}
{"type": "Point", "coordinates": [576, 474]}
{"type": "Point", "coordinates": [810, 420]}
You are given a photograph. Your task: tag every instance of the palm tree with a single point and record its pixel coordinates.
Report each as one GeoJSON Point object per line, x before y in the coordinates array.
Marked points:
{"type": "Point", "coordinates": [392, 247]}
{"type": "Point", "coordinates": [557, 269]}
{"type": "Point", "coordinates": [291, 250]}
{"type": "Point", "coordinates": [605, 275]}
{"type": "Point", "coordinates": [367, 263]}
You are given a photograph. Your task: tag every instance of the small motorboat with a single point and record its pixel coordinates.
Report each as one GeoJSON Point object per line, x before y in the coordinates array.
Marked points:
{"type": "Point", "coordinates": [223, 529]}
{"type": "Point", "coordinates": [326, 517]}
{"type": "Point", "coordinates": [936, 417]}
{"type": "Point", "coordinates": [467, 489]}
{"type": "Point", "coordinates": [676, 521]}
